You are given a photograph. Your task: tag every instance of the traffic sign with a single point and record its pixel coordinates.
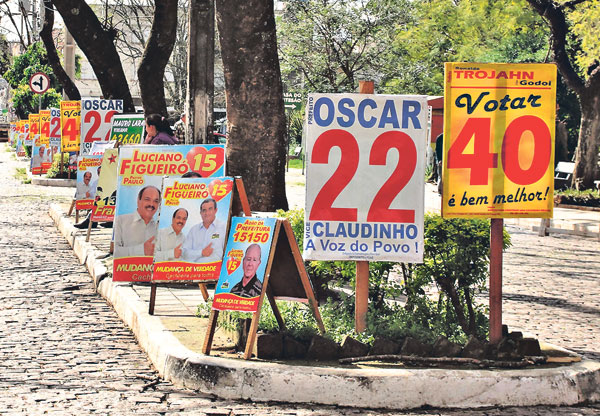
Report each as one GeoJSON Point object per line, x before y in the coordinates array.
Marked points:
{"type": "Point", "coordinates": [39, 83]}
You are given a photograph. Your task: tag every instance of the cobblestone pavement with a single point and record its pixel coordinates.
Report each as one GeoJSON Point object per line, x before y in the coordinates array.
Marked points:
{"type": "Point", "coordinates": [64, 351]}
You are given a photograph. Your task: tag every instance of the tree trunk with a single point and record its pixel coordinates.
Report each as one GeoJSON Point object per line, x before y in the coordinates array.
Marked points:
{"type": "Point", "coordinates": [53, 58]}
{"type": "Point", "coordinates": [156, 56]}
{"type": "Point", "coordinates": [98, 46]}
{"type": "Point", "coordinates": [256, 142]}
{"type": "Point", "coordinates": [586, 155]}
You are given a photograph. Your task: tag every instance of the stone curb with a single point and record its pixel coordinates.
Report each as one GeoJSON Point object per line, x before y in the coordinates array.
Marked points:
{"type": "Point", "coordinates": [364, 388]}
{"type": "Point", "coordinates": [38, 180]}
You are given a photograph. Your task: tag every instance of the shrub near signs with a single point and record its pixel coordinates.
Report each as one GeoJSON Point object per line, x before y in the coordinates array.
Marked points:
{"type": "Point", "coordinates": [456, 262]}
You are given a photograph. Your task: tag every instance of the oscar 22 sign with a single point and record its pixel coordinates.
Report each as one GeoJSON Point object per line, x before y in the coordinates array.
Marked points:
{"type": "Point", "coordinates": [365, 177]}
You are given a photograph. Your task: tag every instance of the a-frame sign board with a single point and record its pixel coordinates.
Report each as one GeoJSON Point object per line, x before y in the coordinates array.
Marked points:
{"type": "Point", "coordinates": [239, 201]}
{"type": "Point", "coordinates": [285, 277]}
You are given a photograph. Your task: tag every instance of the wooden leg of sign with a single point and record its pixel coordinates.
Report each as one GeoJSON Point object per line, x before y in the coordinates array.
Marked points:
{"type": "Point", "coordinates": [239, 184]}
{"type": "Point", "coordinates": [152, 298]}
{"type": "Point", "coordinates": [544, 227]}
{"type": "Point", "coordinates": [275, 309]}
{"type": "Point", "coordinates": [361, 304]}
{"type": "Point", "coordinates": [210, 331]}
{"type": "Point", "coordinates": [204, 291]}
{"type": "Point", "coordinates": [111, 250]}
{"type": "Point", "coordinates": [310, 295]}
{"type": "Point", "coordinates": [71, 208]}
{"type": "Point", "coordinates": [89, 230]}
{"type": "Point", "coordinates": [76, 215]}
{"type": "Point", "coordinates": [252, 335]}
{"type": "Point", "coordinates": [496, 243]}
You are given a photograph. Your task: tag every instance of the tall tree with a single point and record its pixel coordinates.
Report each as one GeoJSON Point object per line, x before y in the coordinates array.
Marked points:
{"type": "Point", "coordinates": [330, 44]}
{"type": "Point", "coordinates": [579, 63]}
{"type": "Point", "coordinates": [256, 143]}
{"type": "Point", "coordinates": [53, 59]}
{"type": "Point", "coordinates": [97, 43]}
{"type": "Point", "coordinates": [156, 56]}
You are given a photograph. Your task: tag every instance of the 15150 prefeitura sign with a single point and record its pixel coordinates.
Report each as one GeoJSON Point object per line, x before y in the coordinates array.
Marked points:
{"type": "Point", "coordinates": [499, 140]}
{"type": "Point", "coordinates": [365, 177]}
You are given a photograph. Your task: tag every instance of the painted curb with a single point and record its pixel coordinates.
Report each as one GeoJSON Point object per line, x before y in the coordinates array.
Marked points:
{"type": "Point", "coordinates": [364, 388]}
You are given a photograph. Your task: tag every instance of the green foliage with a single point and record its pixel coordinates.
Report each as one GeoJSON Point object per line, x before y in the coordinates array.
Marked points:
{"type": "Point", "coordinates": [585, 26]}
{"type": "Point", "coordinates": [4, 54]}
{"type": "Point", "coordinates": [55, 172]}
{"type": "Point", "coordinates": [467, 31]}
{"type": "Point", "coordinates": [33, 60]}
{"type": "Point", "coordinates": [26, 102]}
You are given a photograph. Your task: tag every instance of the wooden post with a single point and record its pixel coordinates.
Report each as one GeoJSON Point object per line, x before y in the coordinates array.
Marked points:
{"type": "Point", "coordinates": [200, 68]}
{"type": "Point", "coordinates": [496, 244]}
{"type": "Point", "coordinates": [152, 298]}
{"type": "Point", "coordinates": [361, 289]}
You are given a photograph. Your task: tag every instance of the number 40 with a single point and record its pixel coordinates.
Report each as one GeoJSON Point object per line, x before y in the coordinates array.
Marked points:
{"type": "Point", "coordinates": [481, 160]}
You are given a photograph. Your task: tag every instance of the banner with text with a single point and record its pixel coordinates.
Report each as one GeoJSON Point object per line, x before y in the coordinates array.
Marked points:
{"type": "Point", "coordinates": [88, 173]}
{"type": "Point", "coordinates": [70, 122]}
{"type": "Point", "coordinates": [139, 180]}
{"type": "Point", "coordinates": [96, 120]}
{"type": "Point", "coordinates": [192, 229]}
{"type": "Point", "coordinates": [246, 257]}
{"type": "Point", "coordinates": [499, 140]}
{"type": "Point", "coordinates": [365, 177]}
{"type": "Point", "coordinates": [127, 128]}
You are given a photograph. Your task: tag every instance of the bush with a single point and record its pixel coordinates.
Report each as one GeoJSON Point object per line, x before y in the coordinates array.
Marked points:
{"type": "Point", "coordinates": [56, 172]}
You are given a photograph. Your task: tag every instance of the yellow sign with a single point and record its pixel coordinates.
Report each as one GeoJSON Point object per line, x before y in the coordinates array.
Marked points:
{"type": "Point", "coordinates": [498, 157]}
{"type": "Point", "coordinates": [70, 121]}
{"type": "Point", "coordinates": [44, 127]}
{"type": "Point", "coordinates": [34, 129]}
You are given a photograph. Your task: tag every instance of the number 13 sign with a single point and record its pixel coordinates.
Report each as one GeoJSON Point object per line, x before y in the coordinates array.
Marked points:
{"type": "Point", "coordinates": [499, 140]}
{"type": "Point", "coordinates": [365, 177]}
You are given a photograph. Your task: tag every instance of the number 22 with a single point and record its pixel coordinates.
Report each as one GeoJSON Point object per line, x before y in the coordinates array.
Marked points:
{"type": "Point", "coordinates": [379, 210]}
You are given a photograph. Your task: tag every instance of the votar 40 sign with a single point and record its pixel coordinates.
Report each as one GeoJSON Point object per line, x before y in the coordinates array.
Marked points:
{"type": "Point", "coordinates": [365, 177]}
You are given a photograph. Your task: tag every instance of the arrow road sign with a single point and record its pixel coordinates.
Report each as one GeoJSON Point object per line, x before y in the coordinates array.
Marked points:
{"type": "Point", "coordinates": [39, 83]}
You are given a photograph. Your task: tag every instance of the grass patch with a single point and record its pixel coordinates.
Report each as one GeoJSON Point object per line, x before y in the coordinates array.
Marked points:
{"type": "Point", "coordinates": [296, 163]}
{"type": "Point", "coordinates": [21, 175]}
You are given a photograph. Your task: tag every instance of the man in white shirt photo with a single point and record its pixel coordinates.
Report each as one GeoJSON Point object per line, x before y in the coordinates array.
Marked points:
{"type": "Point", "coordinates": [135, 232]}
{"type": "Point", "coordinates": [205, 241]}
{"type": "Point", "coordinates": [169, 240]}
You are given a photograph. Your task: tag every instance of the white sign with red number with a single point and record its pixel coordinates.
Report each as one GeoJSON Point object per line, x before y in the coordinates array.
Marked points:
{"type": "Point", "coordinates": [96, 119]}
{"type": "Point", "coordinates": [55, 128]}
{"type": "Point", "coordinates": [365, 177]}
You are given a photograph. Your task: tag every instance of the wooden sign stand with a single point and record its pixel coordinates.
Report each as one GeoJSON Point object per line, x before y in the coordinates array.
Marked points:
{"type": "Point", "coordinates": [285, 263]}
{"type": "Point", "coordinates": [361, 289]}
{"type": "Point", "coordinates": [240, 199]}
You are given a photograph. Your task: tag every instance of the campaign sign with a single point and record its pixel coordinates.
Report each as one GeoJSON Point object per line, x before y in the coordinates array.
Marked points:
{"type": "Point", "coordinates": [96, 119]}
{"type": "Point", "coordinates": [499, 140]}
{"type": "Point", "coordinates": [246, 256]}
{"type": "Point", "coordinates": [55, 136]}
{"type": "Point", "coordinates": [70, 121]}
{"type": "Point", "coordinates": [139, 180]}
{"type": "Point", "coordinates": [34, 128]}
{"type": "Point", "coordinates": [365, 177]}
{"type": "Point", "coordinates": [192, 229]}
{"type": "Point", "coordinates": [45, 127]}
{"type": "Point", "coordinates": [127, 128]}
{"type": "Point", "coordinates": [41, 158]}
{"type": "Point", "coordinates": [88, 172]}
{"type": "Point", "coordinates": [27, 137]}
{"type": "Point", "coordinates": [106, 191]}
